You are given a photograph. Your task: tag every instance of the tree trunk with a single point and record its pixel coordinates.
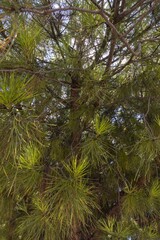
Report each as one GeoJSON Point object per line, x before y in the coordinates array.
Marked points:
{"type": "Point", "coordinates": [76, 132]}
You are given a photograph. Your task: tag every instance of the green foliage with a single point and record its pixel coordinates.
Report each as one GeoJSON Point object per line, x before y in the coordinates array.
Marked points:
{"type": "Point", "coordinates": [96, 150]}
{"type": "Point", "coordinates": [135, 203]}
{"type": "Point", "coordinates": [29, 157]}
{"type": "Point", "coordinates": [148, 232]}
{"type": "Point", "coordinates": [36, 224]}
{"type": "Point", "coordinates": [72, 201]}
{"type": "Point", "coordinates": [102, 126]}
{"type": "Point", "coordinates": [112, 229]}
{"type": "Point", "coordinates": [16, 130]}
{"type": "Point", "coordinates": [28, 38]}
{"type": "Point", "coordinates": [96, 147]}
{"type": "Point", "coordinates": [15, 89]}
{"type": "Point", "coordinates": [154, 196]}
{"type": "Point", "coordinates": [157, 120]}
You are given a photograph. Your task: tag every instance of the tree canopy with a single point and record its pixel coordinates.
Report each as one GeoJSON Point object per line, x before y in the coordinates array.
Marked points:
{"type": "Point", "coordinates": [80, 119]}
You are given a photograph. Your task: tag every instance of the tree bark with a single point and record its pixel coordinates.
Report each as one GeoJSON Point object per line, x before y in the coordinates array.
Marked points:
{"type": "Point", "coordinates": [75, 92]}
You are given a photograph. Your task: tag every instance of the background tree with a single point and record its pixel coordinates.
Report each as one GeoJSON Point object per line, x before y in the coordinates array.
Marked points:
{"type": "Point", "coordinates": [79, 120]}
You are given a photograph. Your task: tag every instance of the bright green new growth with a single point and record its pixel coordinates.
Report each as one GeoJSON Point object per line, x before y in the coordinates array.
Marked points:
{"type": "Point", "coordinates": [15, 89]}
{"type": "Point", "coordinates": [70, 198]}
{"type": "Point", "coordinates": [114, 229]}
{"type": "Point", "coordinates": [68, 204]}
{"type": "Point", "coordinates": [30, 157]}
{"type": "Point", "coordinates": [102, 126]}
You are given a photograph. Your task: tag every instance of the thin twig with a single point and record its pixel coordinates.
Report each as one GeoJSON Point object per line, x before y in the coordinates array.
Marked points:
{"type": "Point", "coordinates": [111, 25]}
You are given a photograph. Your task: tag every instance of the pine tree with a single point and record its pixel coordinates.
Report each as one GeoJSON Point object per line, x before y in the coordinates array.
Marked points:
{"type": "Point", "coordinates": [79, 120]}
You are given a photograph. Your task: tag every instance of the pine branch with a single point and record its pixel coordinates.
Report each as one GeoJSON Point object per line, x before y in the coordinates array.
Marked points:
{"type": "Point", "coordinates": [37, 10]}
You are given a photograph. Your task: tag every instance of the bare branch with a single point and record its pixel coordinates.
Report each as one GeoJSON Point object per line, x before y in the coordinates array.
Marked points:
{"type": "Point", "coordinates": [122, 5]}
{"type": "Point", "coordinates": [117, 33]}
{"type": "Point", "coordinates": [140, 19]}
{"type": "Point", "coordinates": [99, 7]}
{"type": "Point", "coordinates": [128, 11]}
{"type": "Point", "coordinates": [112, 47]}
{"type": "Point", "coordinates": [47, 11]}
{"type": "Point", "coordinates": [155, 39]}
